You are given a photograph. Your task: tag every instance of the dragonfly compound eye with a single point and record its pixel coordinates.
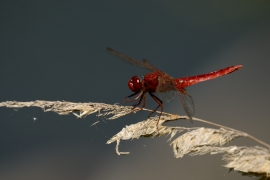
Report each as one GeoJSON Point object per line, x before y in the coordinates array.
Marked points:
{"type": "Point", "coordinates": [135, 84]}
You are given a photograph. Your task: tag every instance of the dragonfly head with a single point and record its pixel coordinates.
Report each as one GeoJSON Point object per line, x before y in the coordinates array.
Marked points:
{"type": "Point", "coordinates": [135, 84]}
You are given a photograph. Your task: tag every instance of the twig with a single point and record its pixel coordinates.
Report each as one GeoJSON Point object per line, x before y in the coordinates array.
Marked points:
{"type": "Point", "coordinates": [217, 125]}
{"type": "Point", "coordinates": [195, 140]}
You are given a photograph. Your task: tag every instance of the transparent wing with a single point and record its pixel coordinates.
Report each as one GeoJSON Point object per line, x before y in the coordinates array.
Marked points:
{"type": "Point", "coordinates": [166, 89]}
{"type": "Point", "coordinates": [149, 64]}
{"type": "Point", "coordinates": [167, 96]}
{"type": "Point", "coordinates": [188, 103]}
{"type": "Point", "coordinates": [142, 64]}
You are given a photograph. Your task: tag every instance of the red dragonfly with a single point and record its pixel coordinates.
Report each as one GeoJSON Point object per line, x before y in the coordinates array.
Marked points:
{"type": "Point", "coordinates": [158, 81]}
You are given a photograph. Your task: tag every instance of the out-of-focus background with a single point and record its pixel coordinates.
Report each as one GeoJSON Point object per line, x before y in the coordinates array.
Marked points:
{"type": "Point", "coordinates": [55, 50]}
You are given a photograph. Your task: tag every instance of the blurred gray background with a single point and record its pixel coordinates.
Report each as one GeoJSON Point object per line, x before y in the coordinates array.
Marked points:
{"type": "Point", "coordinates": [55, 50]}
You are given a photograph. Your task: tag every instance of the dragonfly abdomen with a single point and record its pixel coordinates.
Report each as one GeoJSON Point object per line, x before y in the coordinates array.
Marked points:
{"type": "Point", "coordinates": [188, 81]}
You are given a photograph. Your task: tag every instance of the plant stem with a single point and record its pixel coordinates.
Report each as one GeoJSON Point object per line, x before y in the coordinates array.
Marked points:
{"type": "Point", "coordinates": [175, 117]}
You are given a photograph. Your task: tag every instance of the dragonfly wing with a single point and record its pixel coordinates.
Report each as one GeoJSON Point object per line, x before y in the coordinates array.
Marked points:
{"type": "Point", "coordinates": [167, 96]}
{"type": "Point", "coordinates": [166, 90]}
{"type": "Point", "coordinates": [188, 103]}
{"type": "Point", "coordinates": [150, 65]}
{"type": "Point", "coordinates": [141, 64]}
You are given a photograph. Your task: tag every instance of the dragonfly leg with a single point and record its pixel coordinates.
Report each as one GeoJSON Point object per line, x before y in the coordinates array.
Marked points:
{"type": "Point", "coordinates": [142, 96]}
{"type": "Point", "coordinates": [144, 100]}
{"type": "Point", "coordinates": [159, 105]}
{"type": "Point", "coordinates": [132, 100]}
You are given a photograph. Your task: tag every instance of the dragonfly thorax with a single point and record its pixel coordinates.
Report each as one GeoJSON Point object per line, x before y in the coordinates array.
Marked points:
{"type": "Point", "coordinates": [135, 84]}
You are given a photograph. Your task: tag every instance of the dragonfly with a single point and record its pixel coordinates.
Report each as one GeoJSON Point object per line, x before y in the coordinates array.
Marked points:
{"type": "Point", "coordinates": [159, 82]}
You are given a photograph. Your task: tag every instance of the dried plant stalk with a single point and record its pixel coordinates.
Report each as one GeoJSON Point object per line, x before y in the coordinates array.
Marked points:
{"type": "Point", "coordinates": [65, 108]}
{"type": "Point", "coordinates": [194, 141]}
{"type": "Point", "coordinates": [249, 160]}
{"type": "Point", "coordinates": [145, 128]}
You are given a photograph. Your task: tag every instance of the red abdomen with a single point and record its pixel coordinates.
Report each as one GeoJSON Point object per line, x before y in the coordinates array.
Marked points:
{"type": "Point", "coordinates": [181, 83]}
